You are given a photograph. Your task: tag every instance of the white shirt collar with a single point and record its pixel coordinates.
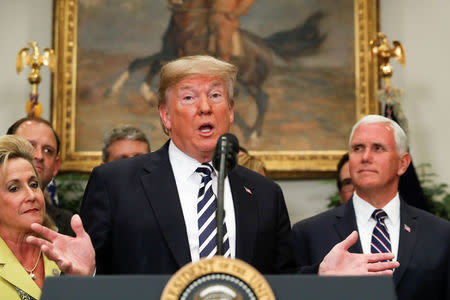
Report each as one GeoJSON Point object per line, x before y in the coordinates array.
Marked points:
{"type": "Point", "coordinates": [183, 165]}
{"type": "Point", "coordinates": [364, 210]}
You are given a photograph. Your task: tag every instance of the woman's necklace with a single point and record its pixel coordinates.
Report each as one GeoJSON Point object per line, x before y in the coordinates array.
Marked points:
{"type": "Point", "coordinates": [32, 275]}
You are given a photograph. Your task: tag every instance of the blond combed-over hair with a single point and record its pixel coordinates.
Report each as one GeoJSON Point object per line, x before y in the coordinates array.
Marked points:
{"type": "Point", "coordinates": [177, 70]}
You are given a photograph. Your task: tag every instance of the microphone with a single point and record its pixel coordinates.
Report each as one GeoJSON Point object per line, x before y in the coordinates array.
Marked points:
{"type": "Point", "coordinates": [227, 145]}
{"type": "Point", "coordinates": [224, 160]}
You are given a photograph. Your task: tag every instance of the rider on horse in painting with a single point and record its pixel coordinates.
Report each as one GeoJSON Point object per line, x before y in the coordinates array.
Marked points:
{"type": "Point", "coordinates": [211, 27]}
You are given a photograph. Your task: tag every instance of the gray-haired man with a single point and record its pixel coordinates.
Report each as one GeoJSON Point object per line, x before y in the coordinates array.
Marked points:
{"type": "Point", "coordinates": [122, 142]}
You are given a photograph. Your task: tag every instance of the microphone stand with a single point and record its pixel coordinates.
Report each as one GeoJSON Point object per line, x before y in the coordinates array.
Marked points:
{"type": "Point", "coordinates": [220, 212]}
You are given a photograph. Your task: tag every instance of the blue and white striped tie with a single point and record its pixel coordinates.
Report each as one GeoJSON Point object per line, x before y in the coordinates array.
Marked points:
{"type": "Point", "coordinates": [206, 211]}
{"type": "Point", "coordinates": [381, 242]}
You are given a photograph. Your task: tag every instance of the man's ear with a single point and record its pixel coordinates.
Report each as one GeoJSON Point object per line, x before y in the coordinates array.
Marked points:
{"type": "Point", "coordinates": [405, 160]}
{"type": "Point", "coordinates": [231, 116]}
{"type": "Point", "coordinates": [165, 117]}
{"type": "Point", "coordinates": [57, 162]}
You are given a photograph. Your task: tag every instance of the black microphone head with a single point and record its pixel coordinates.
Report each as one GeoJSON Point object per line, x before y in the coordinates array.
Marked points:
{"type": "Point", "coordinates": [228, 144]}
{"type": "Point", "coordinates": [232, 142]}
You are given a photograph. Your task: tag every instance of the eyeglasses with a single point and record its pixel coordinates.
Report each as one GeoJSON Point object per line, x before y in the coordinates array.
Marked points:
{"type": "Point", "coordinates": [347, 185]}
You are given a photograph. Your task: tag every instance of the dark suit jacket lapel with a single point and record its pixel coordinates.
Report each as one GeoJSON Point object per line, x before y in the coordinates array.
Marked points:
{"type": "Point", "coordinates": [245, 215]}
{"type": "Point", "coordinates": [346, 223]}
{"type": "Point", "coordinates": [407, 240]}
{"type": "Point", "coordinates": [159, 184]}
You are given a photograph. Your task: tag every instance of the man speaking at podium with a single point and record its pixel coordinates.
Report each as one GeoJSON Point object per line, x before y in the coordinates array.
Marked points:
{"type": "Point", "coordinates": [154, 213]}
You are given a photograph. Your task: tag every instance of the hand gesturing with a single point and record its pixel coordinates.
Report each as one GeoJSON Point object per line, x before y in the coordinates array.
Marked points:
{"type": "Point", "coordinates": [73, 255]}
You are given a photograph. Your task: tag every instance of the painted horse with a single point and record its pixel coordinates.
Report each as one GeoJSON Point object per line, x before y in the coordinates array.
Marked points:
{"type": "Point", "coordinates": [188, 34]}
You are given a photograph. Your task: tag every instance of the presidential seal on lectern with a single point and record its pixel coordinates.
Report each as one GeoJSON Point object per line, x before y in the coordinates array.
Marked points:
{"type": "Point", "coordinates": [217, 278]}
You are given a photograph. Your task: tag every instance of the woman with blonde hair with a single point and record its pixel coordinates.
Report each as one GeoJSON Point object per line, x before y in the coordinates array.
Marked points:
{"type": "Point", "coordinates": [26, 259]}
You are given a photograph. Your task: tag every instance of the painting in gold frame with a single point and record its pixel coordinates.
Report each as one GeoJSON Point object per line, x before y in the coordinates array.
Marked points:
{"type": "Point", "coordinates": [289, 157]}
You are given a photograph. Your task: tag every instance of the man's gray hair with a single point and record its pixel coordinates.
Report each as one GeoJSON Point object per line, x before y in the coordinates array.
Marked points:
{"type": "Point", "coordinates": [401, 141]}
{"type": "Point", "coordinates": [122, 133]}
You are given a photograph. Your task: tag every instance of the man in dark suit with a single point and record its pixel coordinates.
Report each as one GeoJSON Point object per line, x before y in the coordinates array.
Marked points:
{"type": "Point", "coordinates": [141, 212]}
{"type": "Point", "coordinates": [144, 214]}
{"type": "Point", "coordinates": [419, 240]}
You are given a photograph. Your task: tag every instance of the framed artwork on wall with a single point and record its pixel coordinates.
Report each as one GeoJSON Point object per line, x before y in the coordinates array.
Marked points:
{"type": "Point", "coordinates": [305, 74]}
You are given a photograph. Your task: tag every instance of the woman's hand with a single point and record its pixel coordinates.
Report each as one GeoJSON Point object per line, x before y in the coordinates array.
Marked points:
{"type": "Point", "coordinates": [73, 255]}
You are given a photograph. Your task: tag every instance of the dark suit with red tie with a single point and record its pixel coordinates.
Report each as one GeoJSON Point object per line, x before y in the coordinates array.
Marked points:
{"type": "Point", "coordinates": [132, 212]}
{"type": "Point", "coordinates": [423, 251]}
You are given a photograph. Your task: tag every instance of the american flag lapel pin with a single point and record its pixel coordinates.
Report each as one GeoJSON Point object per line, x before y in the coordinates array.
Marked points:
{"type": "Point", "coordinates": [407, 228]}
{"type": "Point", "coordinates": [248, 190]}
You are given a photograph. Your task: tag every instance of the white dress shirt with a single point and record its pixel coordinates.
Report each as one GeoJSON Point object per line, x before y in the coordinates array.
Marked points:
{"type": "Point", "coordinates": [188, 184]}
{"type": "Point", "coordinates": [366, 224]}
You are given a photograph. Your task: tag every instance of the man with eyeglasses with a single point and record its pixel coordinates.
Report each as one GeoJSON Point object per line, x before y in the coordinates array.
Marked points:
{"type": "Point", "coordinates": [344, 181]}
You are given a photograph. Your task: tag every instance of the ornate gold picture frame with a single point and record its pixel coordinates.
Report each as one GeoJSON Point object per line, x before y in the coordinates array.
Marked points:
{"type": "Point", "coordinates": [295, 162]}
